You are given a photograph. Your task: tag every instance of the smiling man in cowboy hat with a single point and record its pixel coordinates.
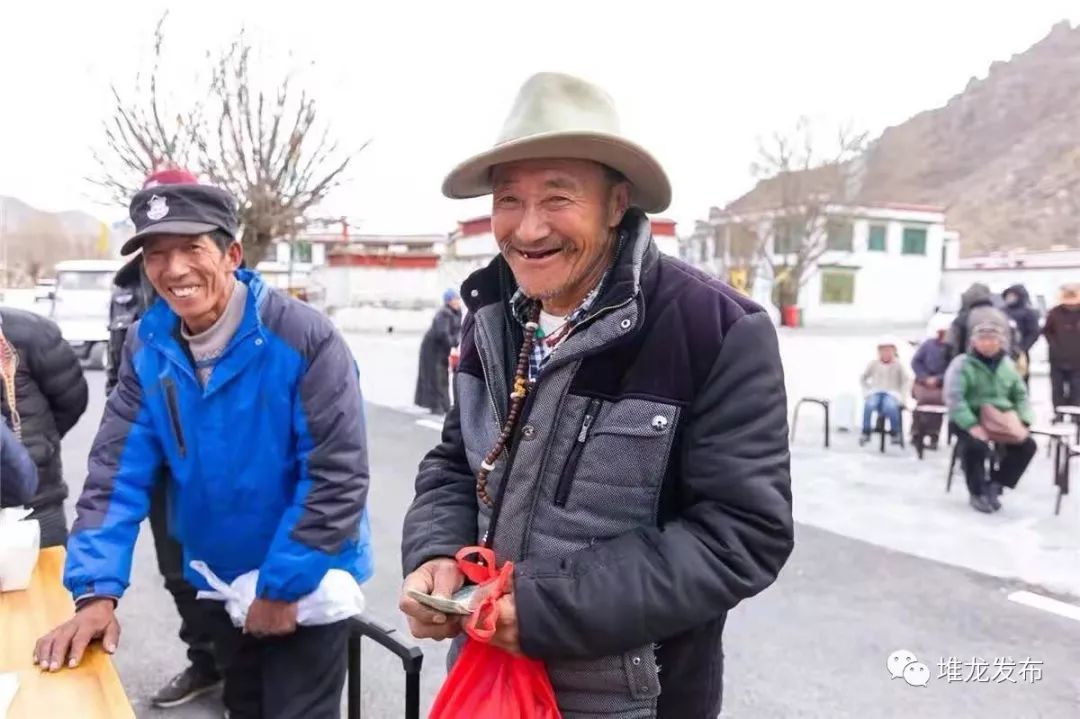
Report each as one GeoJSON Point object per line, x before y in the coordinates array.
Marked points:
{"type": "Point", "coordinates": [620, 428]}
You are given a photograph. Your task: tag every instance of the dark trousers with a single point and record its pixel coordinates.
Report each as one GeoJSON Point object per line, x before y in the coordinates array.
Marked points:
{"type": "Point", "coordinates": [194, 626]}
{"type": "Point", "coordinates": [1014, 459]}
{"type": "Point", "coordinates": [300, 676]}
{"type": "Point", "coordinates": [1065, 386]}
{"type": "Point", "coordinates": [925, 423]}
{"type": "Point", "coordinates": [53, 525]}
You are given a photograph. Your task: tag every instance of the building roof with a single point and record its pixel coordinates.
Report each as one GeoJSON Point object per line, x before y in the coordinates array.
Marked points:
{"type": "Point", "coordinates": [872, 210]}
{"type": "Point", "coordinates": [828, 180]}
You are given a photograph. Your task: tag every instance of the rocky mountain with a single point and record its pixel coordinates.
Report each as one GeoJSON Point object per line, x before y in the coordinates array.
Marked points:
{"type": "Point", "coordinates": [1003, 156]}
{"type": "Point", "coordinates": [32, 240]}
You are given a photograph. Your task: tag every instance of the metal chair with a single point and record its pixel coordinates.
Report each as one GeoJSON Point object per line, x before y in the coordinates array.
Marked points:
{"type": "Point", "coordinates": [1058, 445]}
{"type": "Point", "coordinates": [823, 403]}
{"type": "Point", "coordinates": [1061, 478]}
{"type": "Point", "coordinates": [917, 439]}
{"type": "Point", "coordinates": [879, 428]}
{"type": "Point", "coordinates": [1073, 413]}
{"type": "Point", "coordinates": [993, 460]}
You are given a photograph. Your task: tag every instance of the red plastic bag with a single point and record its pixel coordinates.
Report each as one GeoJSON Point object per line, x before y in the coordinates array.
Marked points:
{"type": "Point", "coordinates": [485, 681]}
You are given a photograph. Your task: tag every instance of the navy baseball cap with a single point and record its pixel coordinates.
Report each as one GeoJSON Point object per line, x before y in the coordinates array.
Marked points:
{"type": "Point", "coordinates": [180, 210]}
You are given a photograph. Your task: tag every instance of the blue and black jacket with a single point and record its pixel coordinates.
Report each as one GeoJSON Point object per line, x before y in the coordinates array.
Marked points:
{"type": "Point", "coordinates": [267, 464]}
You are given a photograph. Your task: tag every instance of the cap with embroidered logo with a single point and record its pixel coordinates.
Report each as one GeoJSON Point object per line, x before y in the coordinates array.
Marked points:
{"type": "Point", "coordinates": [187, 209]}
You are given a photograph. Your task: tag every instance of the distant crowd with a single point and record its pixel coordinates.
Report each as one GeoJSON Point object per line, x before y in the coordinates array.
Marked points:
{"type": "Point", "coordinates": [977, 370]}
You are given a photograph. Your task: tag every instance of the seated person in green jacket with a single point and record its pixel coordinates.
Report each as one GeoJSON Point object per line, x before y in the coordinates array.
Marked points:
{"type": "Point", "coordinates": [986, 375]}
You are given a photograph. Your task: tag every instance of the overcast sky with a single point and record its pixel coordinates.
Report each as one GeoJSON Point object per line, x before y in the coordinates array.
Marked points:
{"type": "Point", "coordinates": [430, 82]}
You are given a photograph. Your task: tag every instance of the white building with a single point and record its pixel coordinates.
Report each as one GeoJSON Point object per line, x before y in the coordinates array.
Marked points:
{"type": "Point", "coordinates": [1041, 272]}
{"type": "Point", "coordinates": [882, 263]}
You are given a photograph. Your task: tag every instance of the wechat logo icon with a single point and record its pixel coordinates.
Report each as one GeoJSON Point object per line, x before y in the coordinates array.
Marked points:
{"type": "Point", "coordinates": [903, 664]}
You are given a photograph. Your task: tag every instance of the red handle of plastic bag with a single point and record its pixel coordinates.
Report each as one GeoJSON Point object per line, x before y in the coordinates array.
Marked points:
{"type": "Point", "coordinates": [481, 623]}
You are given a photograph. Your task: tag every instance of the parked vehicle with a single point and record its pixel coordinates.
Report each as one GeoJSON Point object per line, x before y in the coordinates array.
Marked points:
{"type": "Point", "coordinates": [44, 289]}
{"type": "Point", "coordinates": [80, 306]}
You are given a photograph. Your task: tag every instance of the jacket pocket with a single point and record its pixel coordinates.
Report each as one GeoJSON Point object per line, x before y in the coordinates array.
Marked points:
{"type": "Point", "coordinates": [566, 477]}
{"type": "Point", "coordinates": [618, 686]}
{"type": "Point", "coordinates": [173, 407]}
{"type": "Point", "coordinates": [611, 482]}
{"type": "Point", "coordinates": [629, 443]}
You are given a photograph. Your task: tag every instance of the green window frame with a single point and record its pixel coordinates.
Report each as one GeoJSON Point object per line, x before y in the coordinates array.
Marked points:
{"type": "Point", "coordinates": [301, 251]}
{"type": "Point", "coordinates": [876, 239]}
{"type": "Point", "coordinates": [837, 287]}
{"type": "Point", "coordinates": [914, 241]}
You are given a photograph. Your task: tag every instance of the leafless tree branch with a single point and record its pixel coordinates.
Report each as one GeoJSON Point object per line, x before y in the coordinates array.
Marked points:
{"type": "Point", "coordinates": [270, 149]}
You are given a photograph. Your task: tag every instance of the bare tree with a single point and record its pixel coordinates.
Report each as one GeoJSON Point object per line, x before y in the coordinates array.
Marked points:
{"type": "Point", "coordinates": [142, 134]}
{"type": "Point", "coordinates": [270, 151]}
{"type": "Point", "coordinates": [799, 210]}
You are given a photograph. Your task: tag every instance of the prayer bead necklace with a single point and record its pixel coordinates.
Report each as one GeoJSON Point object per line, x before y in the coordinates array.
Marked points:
{"type": "Point", "coordinates": [517, 401]}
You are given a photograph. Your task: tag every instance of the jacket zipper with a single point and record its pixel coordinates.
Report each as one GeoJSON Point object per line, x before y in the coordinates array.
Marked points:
{"type": "Point", "coordinates": [562, 491]}
{"type": "Point", "coordinates": [174, 414]}
{"type": "Point", "coordinates": [489, 536]}
{"type": "Point", "coordinates": [487, 385]}
{"type": "Point", "coordinates": [554, 360]}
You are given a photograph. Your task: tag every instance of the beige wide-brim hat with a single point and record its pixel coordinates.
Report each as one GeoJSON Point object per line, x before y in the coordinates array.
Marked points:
{"type": "Point", "coordinates": [564, 117]}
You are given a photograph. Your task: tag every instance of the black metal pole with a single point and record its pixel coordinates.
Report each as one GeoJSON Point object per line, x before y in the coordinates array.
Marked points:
{"type": "Point", "coordinates": [355, 676]}
{"type": "Point", "coordinates": [412, 695]}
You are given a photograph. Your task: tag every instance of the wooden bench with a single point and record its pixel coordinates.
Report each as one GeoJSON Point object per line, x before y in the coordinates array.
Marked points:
{"type": "Point", "coordinates": [91, 691]}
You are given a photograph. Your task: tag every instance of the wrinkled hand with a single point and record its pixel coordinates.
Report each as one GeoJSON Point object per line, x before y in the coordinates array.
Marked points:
{"type": "Point", "coordinates": [65, 645]}
{"type": "Point", "coordinates": [440, 578]}
{"type": "Point", "coordinates": [979, 433]}
{"type": "Point", "coordinates": [270, 618]}
{"type": "Point", "coordinates": [506, 629]}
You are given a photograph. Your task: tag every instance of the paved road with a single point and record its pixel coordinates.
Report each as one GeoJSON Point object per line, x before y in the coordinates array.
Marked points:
{"type": "Point", "coordinates": [813, 645]}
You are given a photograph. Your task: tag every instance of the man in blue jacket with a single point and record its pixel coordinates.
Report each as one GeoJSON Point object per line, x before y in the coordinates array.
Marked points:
{"type": "Point", "coordinates": [251, 400]}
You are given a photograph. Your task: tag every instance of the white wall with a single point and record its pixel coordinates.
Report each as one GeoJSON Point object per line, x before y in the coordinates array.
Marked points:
{"type": "Point", "coordinates": [890, 287]}
{"type": "Point", "coordinates": [398, 288]}
{"type": "Point", "coordinates": [476, 246]}
{"type": "Point", "coordinates": [281, 252]}
{"type": "Point", "coordinates": [667, 245]}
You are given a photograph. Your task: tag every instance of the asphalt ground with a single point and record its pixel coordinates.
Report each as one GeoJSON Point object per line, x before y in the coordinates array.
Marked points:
{"type": "Point", "coordinates": [815, 644]}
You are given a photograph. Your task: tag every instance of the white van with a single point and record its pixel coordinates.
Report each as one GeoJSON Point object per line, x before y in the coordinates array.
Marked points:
{"type": "Point", "coordinates": [80, 306]}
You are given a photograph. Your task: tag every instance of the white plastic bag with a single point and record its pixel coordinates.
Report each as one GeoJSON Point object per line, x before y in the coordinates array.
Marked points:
{"type": "Point", "coordinates": [338, 597]}
{"type": "Point", "coordinates": [20, 542]}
